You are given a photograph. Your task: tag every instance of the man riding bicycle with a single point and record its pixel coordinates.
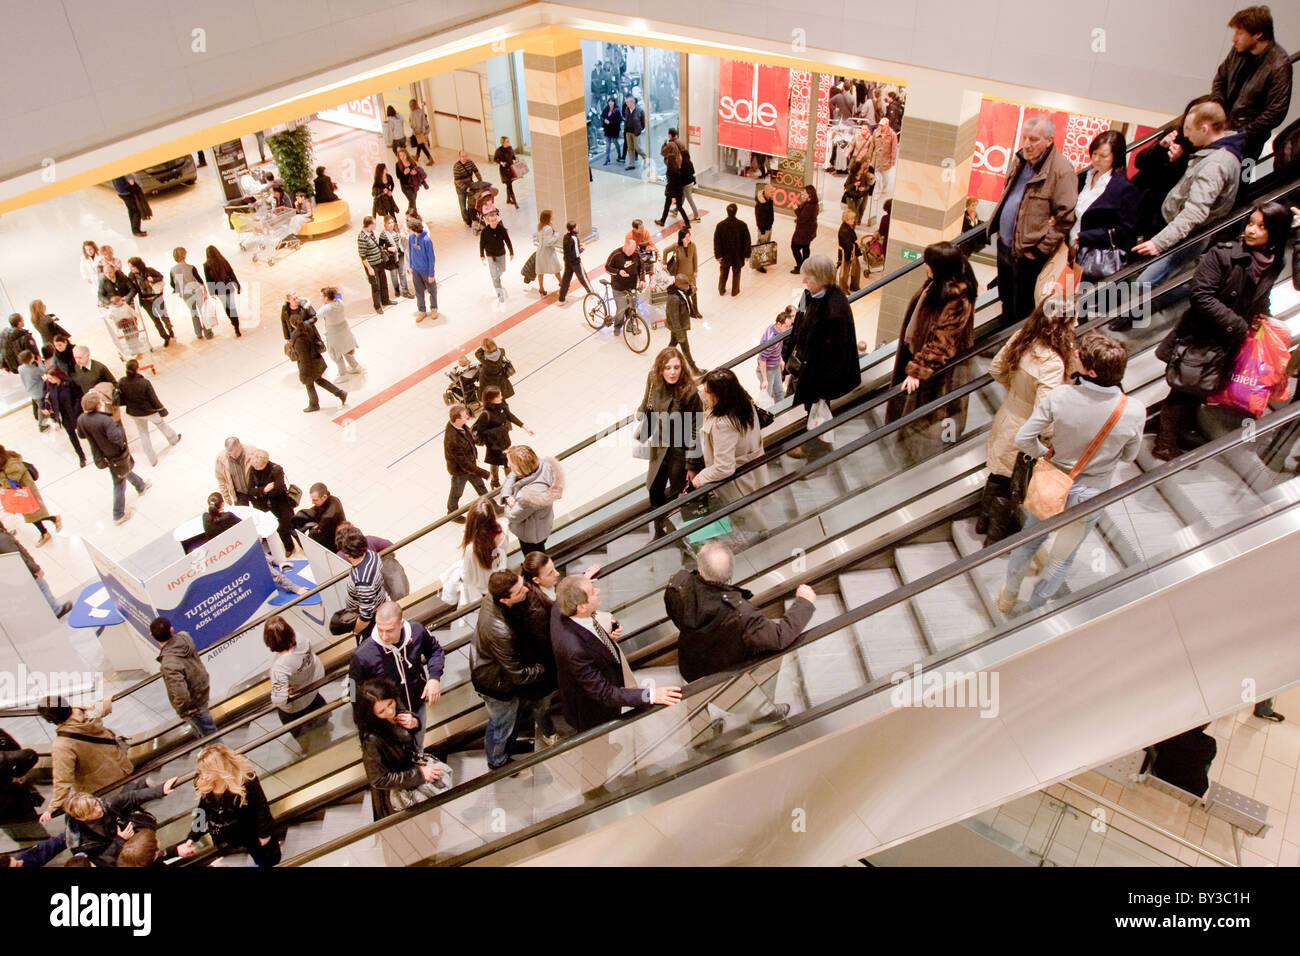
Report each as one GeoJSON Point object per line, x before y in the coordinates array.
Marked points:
{"type": "Point", "coordinates": [624, 266]}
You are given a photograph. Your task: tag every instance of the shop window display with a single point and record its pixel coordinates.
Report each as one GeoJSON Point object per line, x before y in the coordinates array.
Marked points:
{"type": "Point", "coordinates": [613, 72]}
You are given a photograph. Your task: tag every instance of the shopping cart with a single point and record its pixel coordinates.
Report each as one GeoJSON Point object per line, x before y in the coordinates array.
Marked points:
{"type": "Point", "coordinates": [266, 231]}
{"type": "Point", "coordinates": [127, 330]}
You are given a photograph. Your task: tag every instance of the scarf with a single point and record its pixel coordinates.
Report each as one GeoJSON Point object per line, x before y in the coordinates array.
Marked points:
{"type": "Point", "coordinates": [1260, 260]}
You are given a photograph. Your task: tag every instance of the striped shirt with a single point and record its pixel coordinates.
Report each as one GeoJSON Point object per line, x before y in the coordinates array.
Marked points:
{"type": "Point", "coordinates": [366, 587]}
{"type": "Point", "coordinates": [770, 356]}
{"type": "Point", "coordinates": [368, 248]}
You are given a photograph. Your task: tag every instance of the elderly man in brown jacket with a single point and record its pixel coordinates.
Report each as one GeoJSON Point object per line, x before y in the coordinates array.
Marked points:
{"type": "Point", "coordinates": [1033, 217]}
{"type": "Point", "coordinates": [85, 755]}
{"type": "Point", "coordinates": [232, 471]}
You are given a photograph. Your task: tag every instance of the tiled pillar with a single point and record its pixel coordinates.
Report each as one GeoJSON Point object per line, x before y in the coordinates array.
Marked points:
{"type": "Point", "coordinates": [936, 148]}
{"type": "Point", "coordinates": [557, 125]}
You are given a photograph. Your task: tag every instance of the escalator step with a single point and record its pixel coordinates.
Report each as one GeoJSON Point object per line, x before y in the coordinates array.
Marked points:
{"type": "Point", "coordinates": [831, 666]}
{"type": "Point", "coordinates": [1145, 520]}
{"type": "Point", "coordinates": [1217, 492]}
{"type": "Point", "coordinates": [951, 613]}
{"type": "Point", "coordinates": [890, 639]}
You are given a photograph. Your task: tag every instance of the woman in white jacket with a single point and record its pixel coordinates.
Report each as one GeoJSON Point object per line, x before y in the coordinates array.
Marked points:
{"type": "Point", "coordinates": [729, 439]}
{"type": "Point", "coordinates": [530, 492]}
{"type": "Point", "coordinates": [338, 337]}
{"type": "Point", "coordinates": [548, 255]}
{"type": "Point", "coordinates": [482, 551]}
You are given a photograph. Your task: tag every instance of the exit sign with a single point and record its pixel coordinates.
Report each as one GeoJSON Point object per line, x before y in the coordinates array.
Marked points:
{"type": "Point", "coordinates": [910, 255]}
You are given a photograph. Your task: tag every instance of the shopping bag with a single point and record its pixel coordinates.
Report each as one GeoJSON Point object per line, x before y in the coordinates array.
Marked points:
{"type": "Point", "coordinates": [762, 254]}
{"type": "Point", "coordinates": [529, 271]}
{"type": "Point", "coordinates": [518, 168]}
{"type": "Point", "coordinates": [211, 312]}
{"type": "Point", "coordinates": [820, 414]}
{"type": "Point", "coordinates": [453, 584]}
{"type": "Point", "coordinates": [1058, 279]}
{"type": "Point", "coordinates": [1259, 372]}
{"type": "Point", "coordinates": [715, 529]}
{"type": "Point", "coordinates": [17, 500]}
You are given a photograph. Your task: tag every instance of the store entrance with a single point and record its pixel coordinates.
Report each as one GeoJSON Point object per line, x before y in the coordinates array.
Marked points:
{"type": "Point", "coordinates": [625, 81]}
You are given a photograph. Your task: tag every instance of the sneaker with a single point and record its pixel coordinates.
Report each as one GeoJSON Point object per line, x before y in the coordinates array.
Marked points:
{"type": "Point", "coordinates": [124, 519]}
{"type": "Point", "coordinates": [64, 610]}
{"type": "Point", "coordinates": [147, 485]}
{"type": "Point", "coordinates": [408, 295]}
{"type": "Point", "coordinates": [179, 436]}
{"type": "Point", "coordinates": [340, 378]}
{"type": "Point", "coordinates": [1007, 601]}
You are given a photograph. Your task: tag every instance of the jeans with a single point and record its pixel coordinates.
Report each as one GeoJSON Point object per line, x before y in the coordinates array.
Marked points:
{"type": "Point", "coordinates": [378, 288]}
{"type": "Point", "coordinates": [496, 268]}
{"type": "Point", "coordinates": [462, 197]}
{"type": "Point", "coordinates": [202, 723]}
{"type": "Point", "coordinates": [624, 302]}
{"type": "Point", "coordinates": [611, 142]}
{"type": "Point", "coordinates": [400, 285]}
{"type": "Point", "coordinates": [500, 729]}
{"type": "Point", "coordinates": [44, 585]}
{"type": "Point", "coordinates": [422, 284]}
{"type": "Point", "coordinates": [1172, 264]}
{"type": "Point", "coordinates": [775, 383]}
{"type": "Point", "coordinates": [458, 483]}
{"type": "Point", "coordinates": [195, 301]}
{"type": "Point", "coordinates": [227, 299]}
{"type": "Point", "coordinates": [1062, 553]}
{"type": "Point", "coordinates": [156, 309]}
{"type": "Point", "coordinates": [119, 492]}
{"type": "Point", "coordinates": [689, 200]}
{"type": "Point", "coordinates": [313, 401]}
{"type": "Point", "coordinates": [142, 429]}
{"type": "Point", "coordinates": [570, 273]}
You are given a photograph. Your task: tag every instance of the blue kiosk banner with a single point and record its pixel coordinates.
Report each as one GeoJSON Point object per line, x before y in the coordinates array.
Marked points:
{"type": "Point", "coordinates": [128, 592]}
{"type": "Point", "coordinates": [216, 589]}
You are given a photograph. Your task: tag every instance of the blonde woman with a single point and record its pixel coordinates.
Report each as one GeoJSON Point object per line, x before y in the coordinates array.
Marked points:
{"type": "Point", "coordinates": [529, 494]}
{"type": "Point", "coordinates": [234, 808]}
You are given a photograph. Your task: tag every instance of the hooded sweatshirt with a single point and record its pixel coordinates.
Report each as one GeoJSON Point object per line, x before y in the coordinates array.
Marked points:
{"type": "Point", "coordinates": [1206, 192]}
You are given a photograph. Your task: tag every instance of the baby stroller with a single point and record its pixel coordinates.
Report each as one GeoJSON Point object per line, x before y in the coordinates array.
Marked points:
{"type": "Point", "coordinates": [464, 388]}
{"type": "Point", "coordinates": [481, 197]}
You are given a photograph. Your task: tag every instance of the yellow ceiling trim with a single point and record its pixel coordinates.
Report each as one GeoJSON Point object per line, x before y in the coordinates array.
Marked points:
{"type": "Point", "coordinates": [559, 39]}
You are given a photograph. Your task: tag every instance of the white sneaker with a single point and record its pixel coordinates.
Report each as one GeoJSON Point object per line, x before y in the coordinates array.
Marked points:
{"type": "Point", "coordinates": [341, 378]}
{"type": "Point", "coordinates": [124, 519]}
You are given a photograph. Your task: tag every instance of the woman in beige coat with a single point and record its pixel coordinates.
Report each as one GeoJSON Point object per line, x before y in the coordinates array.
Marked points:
{"type": "Point", "coordinates": [16, 471]}
{"type": "Point", "coordinates": [1031, 363]}
{"type": "Point", "coordinates": [85, 755]}
{"type": "Point", "coordinates": [730, 438]}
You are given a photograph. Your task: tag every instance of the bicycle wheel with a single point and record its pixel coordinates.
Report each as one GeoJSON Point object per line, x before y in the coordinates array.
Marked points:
{"type": "Point", "coordinates": [593, 307]}
{"type": "Point", "coordinates": [636, 334]}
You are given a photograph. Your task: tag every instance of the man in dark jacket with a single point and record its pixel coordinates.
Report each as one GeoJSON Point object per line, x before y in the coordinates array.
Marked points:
{"type": "Point", "coordinates": [633, 127]}
{"type": "Point", "coordinates": [731, 248]}
{"type": "Point", "coordinates": [589, 665]}
{"type": "Point", "coordinates": [462, 458]}
{"type": "Point", "coordinates": [321, 521]}
{"type": "Point", "coordinates": [403, 652]}
{"type": "Point", "coordinates": [109, 449]}
{"type": "Point", "coordinates": [18, 799]}
{"type": "Point", "coordinates": [115, 283]}
{"type": "Point", "coordinates": [184, 675]}
{"type": "Point", "coordinates": [624, 267]}
{"type": "Point", "coordinates": [89, 372]}
{"type": "Point", "coordinates": [1033, 217]}
{"type": "Point", "coordinates": [14, 341]}
{"type": "Point", "coordinates": [98, 826]}
{"type": "Point", "coordinates": [719, 628]}
{"type": "Point", "coordinates": [1253, 83]}
{"type": "Point", "coordinates": [464, 172]}
{"type": "Point", "coordinates": [497, 669]}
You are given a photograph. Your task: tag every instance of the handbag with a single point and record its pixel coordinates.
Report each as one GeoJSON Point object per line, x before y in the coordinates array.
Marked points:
{"type": "Point", "coordinates": [765, 417]}
{"type": "Point", "coordinates": [518, 168]}
{"type": "Point", "coordinates": [295, 494]}
{"type": "Point", "coordinates": [119, 468]}
{"type": "Point", "coordinates": [1049, 486]}
{"type": "Point", "coordinates": [1199, 370]}
{"type": "Point", "coordinates": [36, 475]}
{"type": "Point", "coordinates": [1097, 263]}
{"type": "Point", "coordinates": [17, 500]}
{"type": "Point", "coordinates": [402, 799]}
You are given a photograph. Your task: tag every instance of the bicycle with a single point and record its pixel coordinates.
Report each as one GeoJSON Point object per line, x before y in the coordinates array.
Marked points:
{"type": "Point", "coordinates": [598, 308]}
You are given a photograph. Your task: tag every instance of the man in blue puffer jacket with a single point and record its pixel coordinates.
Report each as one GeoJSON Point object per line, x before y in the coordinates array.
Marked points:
{"type": "Point", "coordinates": [420, 256]}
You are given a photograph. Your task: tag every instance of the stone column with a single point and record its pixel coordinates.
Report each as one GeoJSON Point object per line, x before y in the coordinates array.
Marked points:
{"type": "Point", "coordinates": [936, 149]}
{"type": "Point", "coordinates": [557, 125]}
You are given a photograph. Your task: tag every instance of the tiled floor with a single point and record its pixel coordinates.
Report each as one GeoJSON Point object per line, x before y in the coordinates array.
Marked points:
{"type": "Point", "coordinates": [1256, 757]}
{"type": "Point", "coordinates": [387, 467]}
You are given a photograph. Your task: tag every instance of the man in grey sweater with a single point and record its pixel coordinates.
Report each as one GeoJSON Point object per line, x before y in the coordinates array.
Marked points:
{"type": "Point", "coordinates": [1075, 415]}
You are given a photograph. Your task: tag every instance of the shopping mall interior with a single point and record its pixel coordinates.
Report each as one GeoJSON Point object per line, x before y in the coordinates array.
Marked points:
{"type": "Point", "coordinates": [917, 720]}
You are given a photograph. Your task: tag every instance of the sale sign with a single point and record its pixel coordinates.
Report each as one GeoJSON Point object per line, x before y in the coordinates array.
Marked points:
{"type": "Point", "coordinates": [998, 138]}
{"type": "Point", "coordinates": [800, 112]}
{"type": "Point", "coordinates": [753, 107]}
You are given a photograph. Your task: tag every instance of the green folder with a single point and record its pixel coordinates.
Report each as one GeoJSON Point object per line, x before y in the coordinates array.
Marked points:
{"type": "Point", "coordinates": [714, 529]}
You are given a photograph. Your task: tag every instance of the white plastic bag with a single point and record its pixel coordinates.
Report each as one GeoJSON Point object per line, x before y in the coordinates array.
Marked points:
{"type": "Point", "coordinates": [211, 312]}
{"type": "Point", "coordinates": [453, 584]}
{"type": "Point", "coordinates": [820, 414]}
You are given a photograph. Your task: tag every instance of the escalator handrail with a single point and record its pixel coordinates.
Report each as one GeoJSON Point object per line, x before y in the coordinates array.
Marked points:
{"type": "Point", "coordinates": [962, 566]}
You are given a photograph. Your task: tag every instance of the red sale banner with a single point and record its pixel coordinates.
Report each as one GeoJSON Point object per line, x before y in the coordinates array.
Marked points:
{"type": "Point", "coordinates": [998, 139]}
{"type": "Point", "coordinates": [800, 102]}
{"type": "Point", "coordinates": [753, 107]}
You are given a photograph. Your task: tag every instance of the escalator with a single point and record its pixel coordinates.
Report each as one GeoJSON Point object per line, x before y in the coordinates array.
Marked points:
{"type": "Point", "coordinates": [822, 510]}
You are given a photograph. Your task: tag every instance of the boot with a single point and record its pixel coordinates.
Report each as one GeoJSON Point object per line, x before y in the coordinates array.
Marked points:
{"type": "Point", "coordinates": [1003, 521]}
{"type": "Point", "coordinates": [985, 506]}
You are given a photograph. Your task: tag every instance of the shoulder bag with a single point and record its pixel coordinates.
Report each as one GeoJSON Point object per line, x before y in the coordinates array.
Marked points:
{"type": "Point", "coordinates": [121, 743]}
{"type": "Point", "coordinates": [1100, 263]}
{"type": "Point", "coordinates": [1049, 486]}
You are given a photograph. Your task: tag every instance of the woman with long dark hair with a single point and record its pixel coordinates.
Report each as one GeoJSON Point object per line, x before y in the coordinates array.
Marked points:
{"type": "Point", "coordinates": [1230, 289]}
{"type": "Point", "coordinates": [939, 325]}
{"type": "Point", "coordinates": [482, 550]}
{"type": "Point", "coordinates": [669, 412]}
{"type": "Point", "coordinates": [63, 399]}
{"type": "Point", "coordinates": [412, 179]}
{"type": "Point", "coordinates": [46, 324]}
{"type": "Point", "coordinates": [729, 438]}
{"type": "Point", "coordinates": [222, 283]}
{"type": "Point", "coordinates": [399, 773]}
{"type": "Point", "coordinates": [381, 188]}
{"type": "Point", "coordinates": [611, 122]}
{"type": "Point", "coordinates": [805, 227]}
{"type": "Point", "coordinates": [1030, 364]}
{"type": "Point", "coordinates": [504, 157]}
{"type": "Point", "coordinates": [149, 292]}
